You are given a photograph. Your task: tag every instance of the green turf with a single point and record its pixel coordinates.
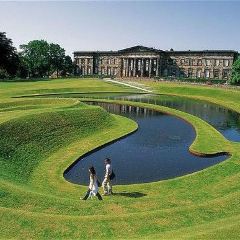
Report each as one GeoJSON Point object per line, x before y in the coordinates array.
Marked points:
{"type": "Point", "coordinates": [40, 138]}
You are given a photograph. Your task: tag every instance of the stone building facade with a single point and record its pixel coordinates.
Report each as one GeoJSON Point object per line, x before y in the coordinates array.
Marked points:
{"type": "Point", "coordinates": [140, 61]}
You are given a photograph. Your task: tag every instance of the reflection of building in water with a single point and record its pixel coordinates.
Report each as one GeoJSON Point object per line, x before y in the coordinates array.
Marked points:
{"type": "Point", "coordinates": [121, 109]}
{"type": "Point", "coordinates": [220, 117]}
{"type": "Point", "coordinates": [140, 61]}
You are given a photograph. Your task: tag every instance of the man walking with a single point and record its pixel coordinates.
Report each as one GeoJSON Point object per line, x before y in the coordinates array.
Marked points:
{"type": "Point", "coordinates": [107, 185]}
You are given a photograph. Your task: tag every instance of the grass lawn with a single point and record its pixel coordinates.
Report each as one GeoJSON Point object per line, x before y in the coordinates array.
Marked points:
{"type": "Point", "coordinates": [40, 138]}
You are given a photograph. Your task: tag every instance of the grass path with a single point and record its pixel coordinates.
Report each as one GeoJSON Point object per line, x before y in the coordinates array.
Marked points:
{"type": "Point", "coordinates": [37, 203]}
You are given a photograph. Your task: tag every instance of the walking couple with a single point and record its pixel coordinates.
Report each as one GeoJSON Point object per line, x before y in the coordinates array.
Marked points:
{"type": "Point", "coordinates": [95, 184]}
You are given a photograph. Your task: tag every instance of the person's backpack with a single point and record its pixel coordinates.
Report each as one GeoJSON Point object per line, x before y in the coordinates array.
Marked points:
{"type": "Point", "coordinates": [112, 176]}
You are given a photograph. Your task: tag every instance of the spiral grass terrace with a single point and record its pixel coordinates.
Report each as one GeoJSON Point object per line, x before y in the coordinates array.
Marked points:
{"type": "Point", "coordinates": [40, 138]}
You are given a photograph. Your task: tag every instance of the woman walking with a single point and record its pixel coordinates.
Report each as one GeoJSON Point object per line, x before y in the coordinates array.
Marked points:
{"type": "Point", "coordinates": [93, 185]}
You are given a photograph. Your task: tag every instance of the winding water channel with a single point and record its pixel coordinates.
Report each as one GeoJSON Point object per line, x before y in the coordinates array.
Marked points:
{"type": "Point", "coordinates": [159, 149]}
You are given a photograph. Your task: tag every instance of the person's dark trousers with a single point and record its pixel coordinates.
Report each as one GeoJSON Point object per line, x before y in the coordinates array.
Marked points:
{"type": "Point", "coordinates": [99, 196]}
{"type": "Point", "coordinates": [87, 195]}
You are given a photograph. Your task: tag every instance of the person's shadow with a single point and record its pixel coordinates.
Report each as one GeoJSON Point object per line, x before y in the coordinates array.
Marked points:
{"type": "Point", "coordinates": [130, 194]}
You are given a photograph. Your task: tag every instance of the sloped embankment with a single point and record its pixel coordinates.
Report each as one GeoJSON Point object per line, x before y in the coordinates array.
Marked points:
{"type": "Point", "coordinates": [28, 140]}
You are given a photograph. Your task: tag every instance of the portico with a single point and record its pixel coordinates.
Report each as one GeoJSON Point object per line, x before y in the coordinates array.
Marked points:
{"type": "Point", "coordinates": [139, 66]}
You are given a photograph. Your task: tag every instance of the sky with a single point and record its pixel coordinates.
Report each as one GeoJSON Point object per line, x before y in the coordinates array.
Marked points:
{"type": "Point", "coordinates": [113, 25]}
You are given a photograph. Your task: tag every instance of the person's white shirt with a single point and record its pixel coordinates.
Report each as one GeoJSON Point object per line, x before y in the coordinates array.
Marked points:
{"type": "Point", "coordinates": [93, 186]}
{"type": "Point", "coordinates": [108, 170]}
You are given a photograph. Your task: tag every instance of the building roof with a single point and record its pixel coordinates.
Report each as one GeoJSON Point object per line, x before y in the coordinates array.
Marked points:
{"type": "Point", "coordinates": [203, 51]}
{"type": "Point", "coordinates": [94, 52]}
{"type": "Point", "coordinates": [140, 48]}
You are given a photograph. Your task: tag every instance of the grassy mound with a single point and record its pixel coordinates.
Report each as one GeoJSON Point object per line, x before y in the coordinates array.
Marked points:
{"type": "Point", "coordinates": [44, 141]}
{"type": "Point", "coordinates": [28, 140]}
{"type": "Point", "coordinates": [34, 104]}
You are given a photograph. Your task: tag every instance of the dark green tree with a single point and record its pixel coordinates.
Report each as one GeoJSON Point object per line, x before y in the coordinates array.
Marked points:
{"type": "Point", "coordinates": [22, 68]}
{"type": "Point", "coordinates": [235, 79]}
{"type": "Point", "coordinates": [35, 55]}
{"type": "Point", "coordinates": [56, 58]}
{"type": "Point", "coordinates": [45, 59]}
{"type": "Point", "coordinates": [9, 60]}
{"type": "Point", "coordinates": [68, 67]}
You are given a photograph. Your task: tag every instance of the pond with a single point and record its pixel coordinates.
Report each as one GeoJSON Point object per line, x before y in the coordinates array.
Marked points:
{"type": "Point", "coordinates": [158, 150]}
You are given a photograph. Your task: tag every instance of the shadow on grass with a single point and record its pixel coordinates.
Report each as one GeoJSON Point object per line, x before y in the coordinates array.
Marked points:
{"type": "Point", "coordinates": [130, 194]}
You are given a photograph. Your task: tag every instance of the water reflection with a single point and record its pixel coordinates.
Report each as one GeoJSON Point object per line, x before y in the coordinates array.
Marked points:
{"type": "Point", "coordinates": [224, 120]}
{"type": "Point", "coordinates": [158, 150]}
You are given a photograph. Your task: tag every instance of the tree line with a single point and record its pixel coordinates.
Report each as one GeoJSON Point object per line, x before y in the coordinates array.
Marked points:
{"type": "Point", "coordinates": [36, 59]}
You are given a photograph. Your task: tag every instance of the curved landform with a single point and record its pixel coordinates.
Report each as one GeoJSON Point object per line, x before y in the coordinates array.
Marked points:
{"type": "Point", "coordinates": [38, 144]}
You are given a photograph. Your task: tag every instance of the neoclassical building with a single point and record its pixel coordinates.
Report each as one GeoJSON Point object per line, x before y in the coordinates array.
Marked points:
{"type": "Point", "coordinates": [140, 61]}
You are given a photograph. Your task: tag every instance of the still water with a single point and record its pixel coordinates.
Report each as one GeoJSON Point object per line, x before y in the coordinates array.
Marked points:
{"type": "Point", "coordinates": [157, 150]}
{"type": "Point", "coordinates": [224, 120]}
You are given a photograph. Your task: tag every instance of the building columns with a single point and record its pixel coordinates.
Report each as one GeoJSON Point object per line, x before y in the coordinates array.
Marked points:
{"type": "Point", "coordinates": [157, 68]}
{"type": "Point", "coordinates": [130, 67]}
{"type": "Point", "coordinates": [150, 67]}
{"type": "Point", "coordinates": [134, 67]}
{"type": "Point", "coordinates": [127, 67]}
{"type": "Point", "coordinates": [142, 67]}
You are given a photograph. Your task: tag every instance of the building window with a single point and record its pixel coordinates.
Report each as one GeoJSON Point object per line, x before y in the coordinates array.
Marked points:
{"type": "Point", "coordinates": [217, 62]}
{"type": "Point", "coordinates": [89, 70]}
{"type": "Point", "coordinates": [174, 72]}
{"type": "Point", "coordinates": [207, 73]}
{"type": "Point", "coordinates": [114, 61]}
{"type": "Point", "coordinates": [83, 71]}
{"type": "Point", "coordinates": [155, 62]}
{"type": "Point", "coordinates": [82, 61]}
{"type": "Point", "coordinates": [103, 71]}
{"type": "Point", "coordinates": [189, 74]}
{"type": "Point", "coordinates": [187, 62]}
{"type": "Point", "coordinates": [165, 72]}
{"type": "Point", "coordinates": [225, 73]}
{"type": "Point", "coordinates": [181, 73]}
{"type": "Point", "coordinates": [182, 61]}
{"type": "Point", "coordinates": [226, 63]}
{"type": "Point", "coordinates": [109, 71]}
{"type": "Point", "coordinates": [199, 73]}
{"type": "Point", "coordinates": [88, 61]}
{"type": "Point", "coordinates": [115, 71]}
{"type": "Point", "coordinates": [216, 74]}
{"type": "Point", "coordinates": [207, 62]}
{"type": "Point", "coordinates": [190, 62]}
{"type": "Point", "coordinates": [199, 62]}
